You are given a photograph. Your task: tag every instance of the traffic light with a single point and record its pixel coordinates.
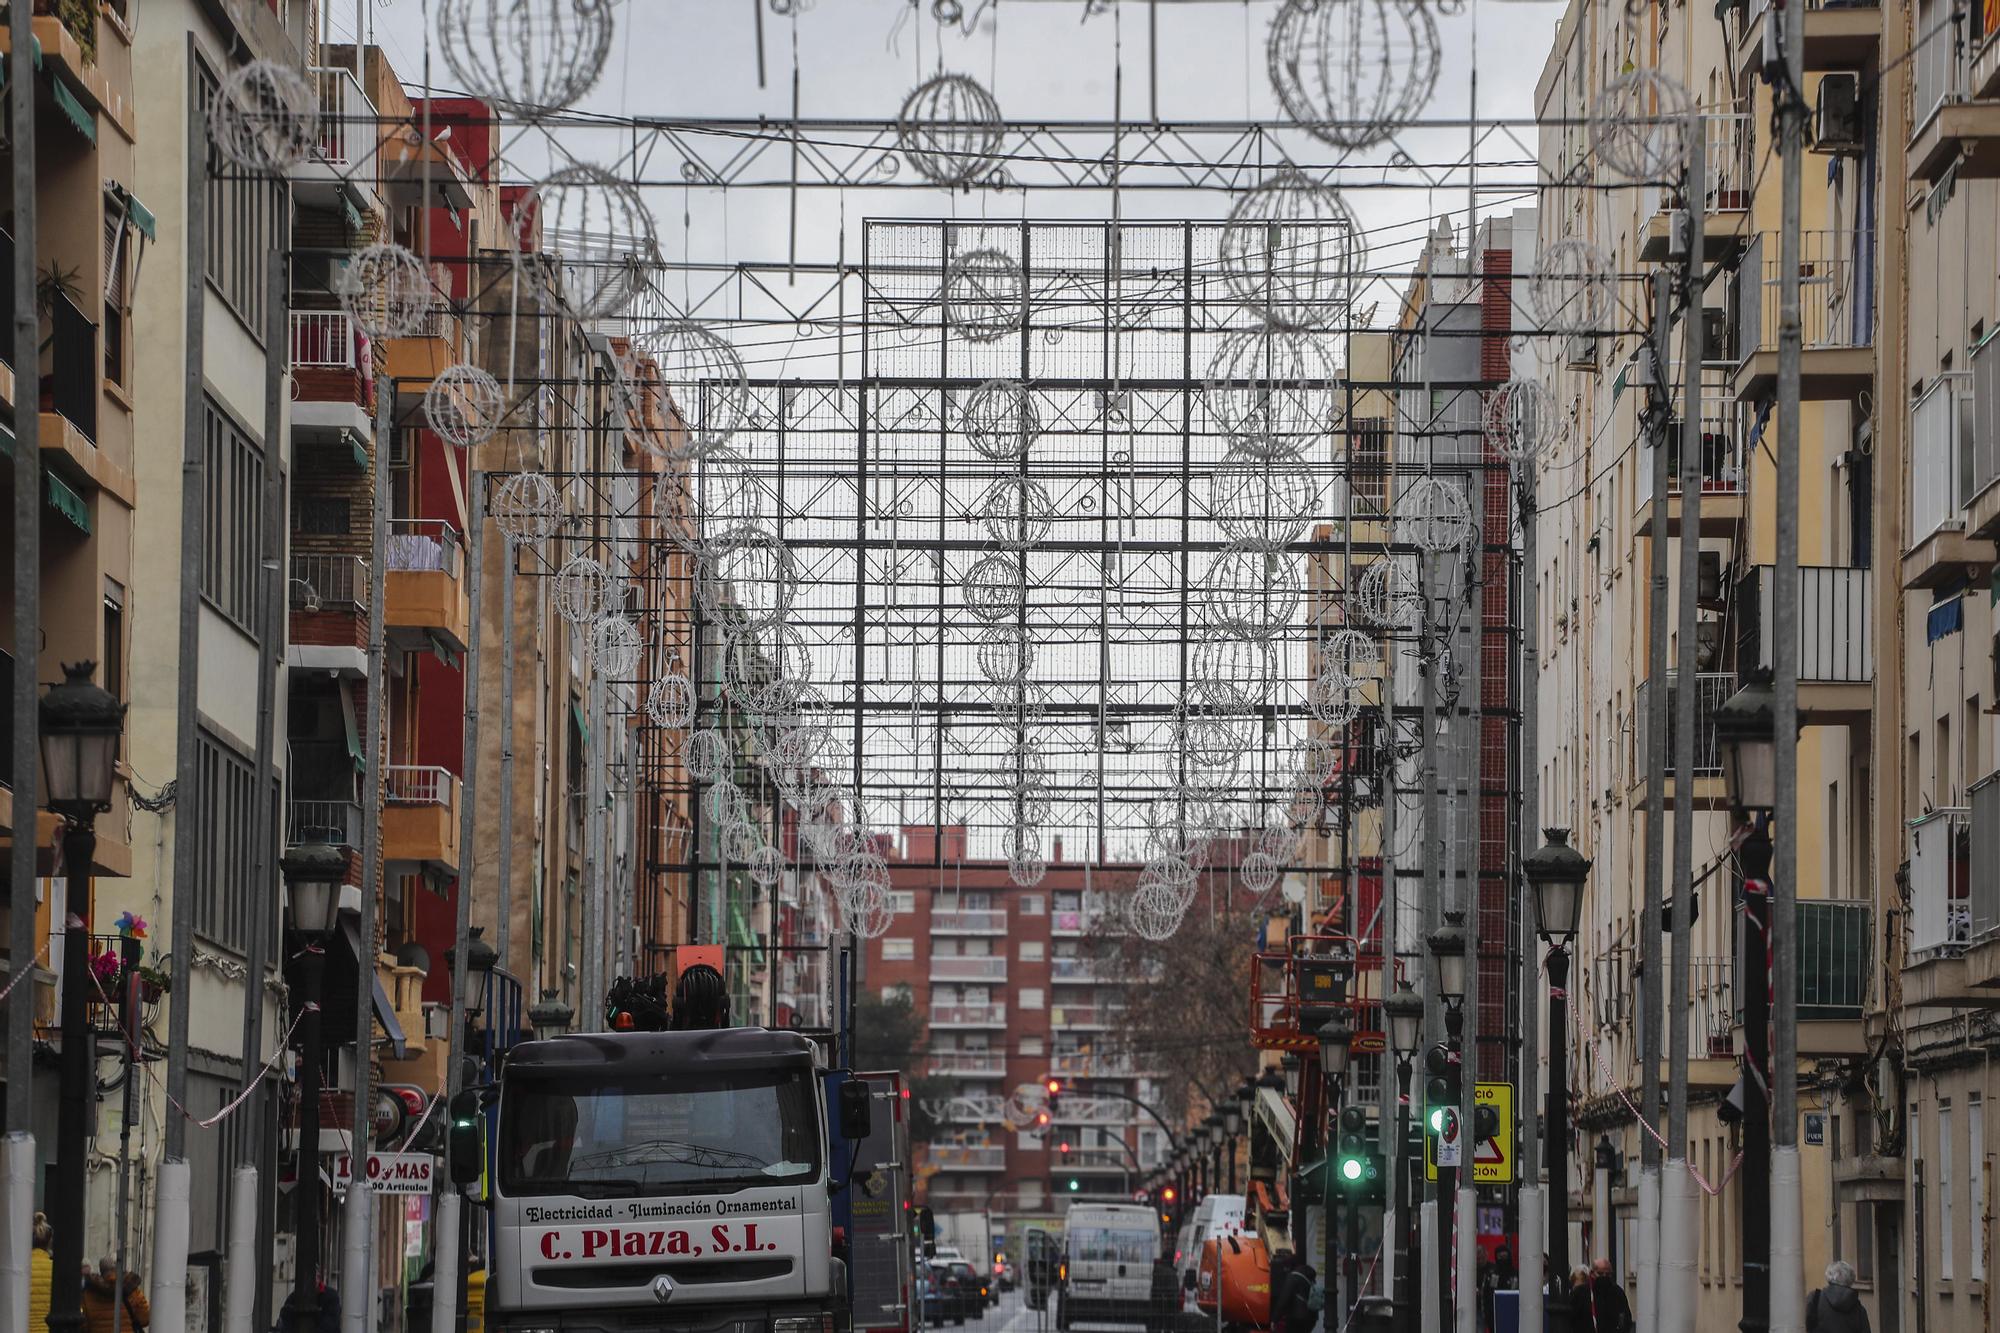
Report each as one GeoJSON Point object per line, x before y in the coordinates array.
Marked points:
{"type": "Point", "coordinates": [467, 1154]}
{"type": "Point", "coordinates": [1169, 1194]}
{"type": "Point", "coordinates": [1441, 1087]}
{"type": "Point", "coordinates": [1074, 1185]}
{"type": "Point", "coordinates": [1054, 1085]}
{"type": "Point", "coordinates": [1357, 1167]}
{"type": "Point", "coordinates": [1485, 1123]}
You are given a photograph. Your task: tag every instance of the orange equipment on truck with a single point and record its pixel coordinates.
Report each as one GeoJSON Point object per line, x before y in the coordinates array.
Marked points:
{"type": "Point", "coordinates": [1235, 1273]}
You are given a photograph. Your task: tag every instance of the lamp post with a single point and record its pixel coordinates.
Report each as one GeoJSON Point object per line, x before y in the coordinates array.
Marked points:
{"type": "Point", "coordinates": [1447, 947]}
{"type": "Point", "coordinates": [1232, 1128]}
{"type": "Point", "coordinates": [1403, 1013]}
{"type": "Point", "coordinates": [549, 1016]}
{"type": "Point", "coordinates": [313, 873]}
{"type": "Point", "coordinates": [1336, 1046]}
{"type": "Point", "coordinates": [1746, 736]}
{"type": "Point", "coordinates": [1556, 873]}
{"type": "Point", "coordinates": [80, 726]}
{"type": "Point", "coordinates": [1213, 1127]}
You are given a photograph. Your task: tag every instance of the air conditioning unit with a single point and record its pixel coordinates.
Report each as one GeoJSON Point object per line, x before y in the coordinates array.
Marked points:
{"type": "Point", "coordinates": [1837, 126]}
{"type": "Point", "coordinates": [1708, 585]}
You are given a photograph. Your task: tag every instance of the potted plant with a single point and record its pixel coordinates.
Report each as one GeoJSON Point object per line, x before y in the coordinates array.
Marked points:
{"type": "Point", "coordinates": [154, 981]}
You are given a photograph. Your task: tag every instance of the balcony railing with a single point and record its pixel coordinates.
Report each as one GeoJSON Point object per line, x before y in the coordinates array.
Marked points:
{"type": "Point", "coordinates": [324, 340]}
{"type": "Point", "coordinates": [1721, 444]}
{"type": "Point", "coordinates": [424, 545]}
{"type": "Point", "coordinates": [1836, 937]}
{"type": "Point", "coordinates": [349, 126]}
{"type": "Point", "coordinates": [1093, 1159]}
{"type": "Point", "coordinates": [1711, 993]}
{"type": "Point", "coordinates": [329, 582]}
{"type": "Point", "coordinates": [418, 784]}
{"type": "Point", "coordinates": [1080, 969]}
{"type": "Point", "coordinates": [1836, 623]}
{"type": "Point", "coordinates": [1941, 459]}
{"type": "Point", "coordinates": [969, 1064]}
{"type": "Point", "coordinates": [1940, 883]}
{"type": "Point", "coordinates": [1984, 866]}
{"type": "Point", "coordinates": [1985, 451]}
{"type": "Point", "coordinates": [1942, 60]}
{"type": "Point", "coordinates": [968, 921]}
{"type": "Point", "coordinates": [1085, 1015]}
{"type": "Point", "coordinates": [968, 1156]}
{"type": "Point", "coordinates": [73, 365]}
{"type": "Point", "coordinates": [1078, 1064]}
{"type": "Point", "coordinates": [969, 1015]}
{"type": "Point", "coordinates": [335, 822]}
{"type": "Point", "coordinates": [1711, 688]}
{"type": "Point", "coordinates": [1836, 308]}
{"type": "Point", "coordinates": [1729, 172]}
{"type": "Point", "coordinates": [947, 968]}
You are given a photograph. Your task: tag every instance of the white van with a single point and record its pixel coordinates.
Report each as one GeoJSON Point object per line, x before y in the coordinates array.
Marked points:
{"type": "Point", "coordinates": [1215, 1216]}
{"type": "Point", "coordinates": [1108, 1254]}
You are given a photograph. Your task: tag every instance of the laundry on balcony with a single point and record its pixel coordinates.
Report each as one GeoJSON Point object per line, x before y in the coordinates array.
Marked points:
{"type": "Point", "coordinates": [410, 551]}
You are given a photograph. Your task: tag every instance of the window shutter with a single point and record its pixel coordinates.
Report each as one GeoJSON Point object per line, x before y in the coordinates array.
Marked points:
{"type": "Point", "coordinates": [114, 256]}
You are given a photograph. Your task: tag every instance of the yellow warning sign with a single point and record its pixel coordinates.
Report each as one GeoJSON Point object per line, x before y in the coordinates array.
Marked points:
{"type": "Point", "coordinates": [1492, 1155]}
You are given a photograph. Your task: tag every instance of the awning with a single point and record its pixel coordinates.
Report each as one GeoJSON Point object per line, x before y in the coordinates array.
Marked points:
{"type": "Point", "coordinates": [67, 502]}
{"type": "Point", "coordinates": [1945, 618]}
{"type": "Point", "coordinates": [582, 727]}
{"type": "Point", "coordinates": [74, 111]}
{"type": "Point", "coordinates": [136, 213]}
{"type": "Point", "coordinates": [385, 1012]}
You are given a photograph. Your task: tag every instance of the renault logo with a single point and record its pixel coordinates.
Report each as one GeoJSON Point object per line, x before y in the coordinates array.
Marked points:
{"type": "Point", "coordinates": [663, 1288]}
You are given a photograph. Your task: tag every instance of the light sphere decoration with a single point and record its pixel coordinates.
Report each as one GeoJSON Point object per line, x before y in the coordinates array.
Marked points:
{"type": "Point", "coordinates": [1006, 654]}
{"type": "Point", "coordinates": [1247, 664]}
{"type": "Point", "coordinates": [599, 227]}
{"type": "Point", "coordinates": [1259, 872]}
{"type": "Point", "coordinates": [762, 669]}
{"type": "Point", "coordinates": [1290, 252]}
{"type": "Point", "coordinates": [1522, 419]}
{"type": "Point", "coordinates": [1249, 593]}
{"type": "Point", "coordinates": [616, 646]}
{"type": "Point", "coordinates": [1279, 841]}
{"type": "Point", "coordinates": [671, 702]}
{"type": "Point", "coordinates": [766, 866]}
{"type": "Point", "coordinates": [1570, 293]}
{"type": "Point", "coordinates": [1331, 697]}
{"type": "Point", "coordinates": [1638, 126]}
{"type": "Point", "coordinates": [746, 578]}
{"type": "Point", "coordinates": [525, 508]}
{"type": "Point", "coordinates": [949, 130]}
{"type": "Point", "coordinates": [995, 588]}
{"type": "Point", "coordinates": [583, 590]}
{"type": "Point", "coordinates": [1351, 653]}
{"type": "Point", "coordinates": [741, 842]}
{"type": "Point", "coordinates": [1386, 596]}
{"type": "Point", "coordinates": [463, 406]}
{"type": "Point", "coordinates": [1351, 73]}
{"type": "Point", "coordinates": [726, 804]}
{"type": "Point", "coordinates": [702, 372]}
{"type": "Point", "coordinates": [1434, 515]}
{"type": "Point", "coordinates": [1262, 502]}
{"type": "Point", "coordinates": [1000, 420]}
{"type": "Point", "coordinates": [1274, 392]}
{"type": "Point", "coordinates": [1215, 724]}
{"type": "Point", "coordinates": [1154, 911]}
{"type": "Point", "coordinates": [266, 117]}
{"type": "Point", "coordinates": [529, 58]}
{"type": "Point", "coordinates": [1026, 872]}
{"type": "Point", "coordinates": [386, 291]}
{"type": "Point", "coordinates": [985, 295]}
{"type": "Point", "coordinates": [1016, 513]}
{"type": "Point", "coordinates": [705, 754]}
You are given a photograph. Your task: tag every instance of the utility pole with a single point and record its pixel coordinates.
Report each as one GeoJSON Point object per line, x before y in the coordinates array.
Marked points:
{"type": "Point", "coordinates": [1680, 1220]}
{"type": "Point", "coordinates": [1787, 1220]}
{"type": "Point", "coordinates": [1527, 676]}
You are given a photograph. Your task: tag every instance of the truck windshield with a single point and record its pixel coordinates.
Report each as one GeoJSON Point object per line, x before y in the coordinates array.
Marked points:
{"type": "Point", "coordinates": [1114, 1246]}
{"type": "Point", "coordinates": [686, 1133]}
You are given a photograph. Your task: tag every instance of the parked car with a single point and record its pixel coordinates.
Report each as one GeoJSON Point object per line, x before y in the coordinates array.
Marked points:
{"type": "Point", "coordinates": [973, 1290]}
{"type": "Point", "coordinates": [945, 1300]}
{"type": "Point", "coordinates": [930, 1295]}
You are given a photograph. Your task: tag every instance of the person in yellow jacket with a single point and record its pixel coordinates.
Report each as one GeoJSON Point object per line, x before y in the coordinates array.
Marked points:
{"type": "Point", "coordinates": [41, 1272]}
{"type": "Point", "coordinates": [475, 1301]}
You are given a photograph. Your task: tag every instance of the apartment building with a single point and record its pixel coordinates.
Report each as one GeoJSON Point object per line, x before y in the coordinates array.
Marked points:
{"type": "Point", "coordinates": [1597, 560]}
{"type": "Point", "coordinates": [1013, 992]}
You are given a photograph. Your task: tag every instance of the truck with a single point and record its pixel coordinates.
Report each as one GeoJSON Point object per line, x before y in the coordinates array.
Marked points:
{"type": "Point", "coordinates": [681, 1180]}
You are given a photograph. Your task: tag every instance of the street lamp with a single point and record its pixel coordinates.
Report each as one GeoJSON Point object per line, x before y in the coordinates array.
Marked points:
{"type": "Point", "coordinates": [1403, 1014]}
{"type": "Point", "coordinates": [80, 726]}
{"type": "Point", "coordinates": [549, 1016]}
{"type": "Point", "coordinates": [1447, 944]}
{"type": "Point", "coordinates": [1336, 1045]}
{"type": "Point", "coordinates": [1746, 735]}
{"type": "Point", "coordinates": [313, 873]}
{"type": "Point", "coordinates": [1556, 873]}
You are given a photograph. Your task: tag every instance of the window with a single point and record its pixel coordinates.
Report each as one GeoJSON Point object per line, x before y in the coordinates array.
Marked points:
{"type": "Point", "coordinates": [898, 949]}
{"type": "Point", "coordinates": [1030, 1045]}
{"type": "Point", "coordinates": [116, 293]}
{"type": "Point", "coordinates": [245, 223]}
{"type": "Point", "coordinates": [1942, 1188]}
{"type": "Point", "coordinates": [1031, 904]}
{"type": "Point", "coordinates": [1031, 997]}
{"type": "Point", "coordinates": [1028, 1192]}
{"type": "Point", "coordinates": [225, 844]}
{"type": "Point", "coordinates": [1975, 1151]}
{"type": "Point", "coordinates": [1368, 447]}
{"type": "Point", "coordinates": [1031, 951]}
{"type": "Point", "coordinates": [902, 900]}
{"type": "Point", "coordinates": [231, 510]}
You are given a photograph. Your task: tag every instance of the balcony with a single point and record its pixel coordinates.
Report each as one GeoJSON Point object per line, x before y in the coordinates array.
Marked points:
{"type": "Point", "coordinates": [333, 383]}
{"type": "Point", "coordinates": [436, 344]}
{"type": "Point", "coordinates": [405, 989]}
{"type": "Point", "coordinates": [1835, 938]}
{"type": "Point", "coordinates": [968, 921]}
{"type": "Point", "coordinates": [1954, 99]}
{"type": "Point", "coordinates": [1712, 1008]}
{"type": "Point", "coordinates": [1942, 458]}
{"type": "Point", "coordinates": [1836, 311]}
{"type": "Point", "coordinates": [341, 172]}
{"type": "Point", "coordinates": [1090, 1017]}
{"type": "Point", "coordinates": [1725, 198]}
{"type": "Point", "coordinates": [1982, 491]}
{"type": "Point", "coordinates": [1083, 1064]}
{"type": "Point", "coordinates": [329, 602]}
{"type": "Point", "coordinates": [1082, 970]}
{"type": "Point", "coordinates": [420, 815]}
{"type": "Point", "coordinates": [1940, 880]}
{"type": "Point", "coordinates": [334, 822]}
{"type": "Point", "coordinates": [1711, 688]}
{"type": "Point", "coordinates": [1982, 957]}
{"type": "Point", "coordinates": [969, 1064]}
{"type": "Point", "coordinates": [949, 968]}
{"type": "Point", "coordinates": [1836, 639]}
{"type": "Point", "coordinates": [968, 1015]}
{"type": "Point", "coordinates": [1721, 464]}
{"type": "Point", "coordinates": [426, 595]}
{"type": "Point", "coordinates": [1837, 36]}
{"type": "Point", "coordinates": [968, 1156]}
{"type": "Point", "coordinates": [1090, 1159]}
{"type": "Point", "coordinates": [69, 390]}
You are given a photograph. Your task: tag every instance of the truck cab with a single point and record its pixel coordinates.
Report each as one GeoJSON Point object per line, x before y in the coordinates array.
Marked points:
{"type": "Point", "coordinates": [662, 1180]}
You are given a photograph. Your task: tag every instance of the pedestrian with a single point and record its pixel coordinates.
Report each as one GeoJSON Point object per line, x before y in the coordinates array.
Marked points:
{"type": "Point", "coordinates": [1166, 1296]}
{"type": "Point", "coordinates": [41, 1273]}
{"type": "Point", "coordinates": [1612, 1313]}
{"type": "Point", "coordinates": [107, 1300]}
{"type": "Point", "coordinates": [1835, 1308]}
{"type": "Point", "coordinates": [1291, 1299]}
{"type": "Point", "coordinates": [1581, 1316]}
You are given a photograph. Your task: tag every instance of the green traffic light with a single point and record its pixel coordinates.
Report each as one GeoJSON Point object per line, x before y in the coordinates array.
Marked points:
{"type": "Point", "coordinates": [1350, 1168]}
{"type": "Point", "coordinates": [1437, 1119]}
{"type": "Point", "coordinates": [1073, 1185]}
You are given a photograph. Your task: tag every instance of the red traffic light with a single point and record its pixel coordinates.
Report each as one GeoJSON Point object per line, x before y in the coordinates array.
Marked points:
{"type": "Point", "coordinates": [1055, 1087]}
{"type": "Point", "coordinates": [1168, 1195]}
{"type": "Point", "coordinates": [1041, 1117]}
{"type": "Point", "coordinates": [1062, 1147]}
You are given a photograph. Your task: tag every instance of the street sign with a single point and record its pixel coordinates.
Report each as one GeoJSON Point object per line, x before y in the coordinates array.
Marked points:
{"type": "Point", "coordinates": [1492, 1156]}
{"type": "Point", "coordinates": [388, 1172]}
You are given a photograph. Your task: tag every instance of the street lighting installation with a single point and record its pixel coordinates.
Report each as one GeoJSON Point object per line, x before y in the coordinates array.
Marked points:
{"type": "Point", "coordinates": [313, 875]}
{"type": "Point", "coordinates": [1403, 1013]}
{"type": "Point", "coordinates": [1447, 947]}
{"type": "Point", "coordinates": [1556, 873]}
